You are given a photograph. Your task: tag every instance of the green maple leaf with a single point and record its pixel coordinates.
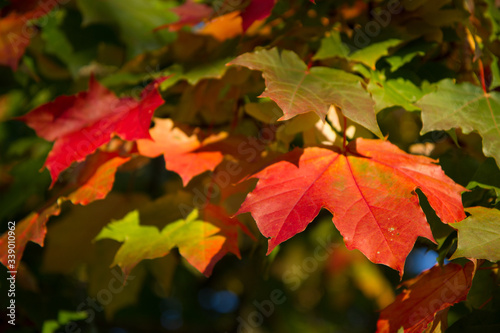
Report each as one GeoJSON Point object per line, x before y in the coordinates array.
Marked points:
{"type": "Point", "coordinates": [479, 234]}
{"type": "Point", "coordinates": [202, 240]}
{"type": "Point", "coordinates": [298, 89]}
{"type": "Point", "coordinates": [466, 106]}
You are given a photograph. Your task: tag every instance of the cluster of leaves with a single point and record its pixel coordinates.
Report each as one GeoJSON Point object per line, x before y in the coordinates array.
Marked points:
{"type": "Point", "coordinates": [384, 113]}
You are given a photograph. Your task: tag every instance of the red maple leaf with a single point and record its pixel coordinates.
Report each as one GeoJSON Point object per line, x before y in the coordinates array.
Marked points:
{"type": "Point", "coordinates": [369, 188]}
{"type": "Point", "coordinates": [432, 291]}
{"type": "Point", "coordinates": [94, 182]}
{"type": "Point", "coordinates": [81, 123]}
{"type": "Point", "coordinates": [15, 32]}
{"type": "Point", "coordinates": [179, 149]}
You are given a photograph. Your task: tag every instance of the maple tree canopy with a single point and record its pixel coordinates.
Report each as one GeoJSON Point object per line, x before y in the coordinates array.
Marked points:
{"type": "Point", "coordinates": [250, 165]}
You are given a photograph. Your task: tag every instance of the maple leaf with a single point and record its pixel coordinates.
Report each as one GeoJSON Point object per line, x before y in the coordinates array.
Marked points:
{"type": "Point", "coordinates": [179, 150]}
{"type": "Point", "coordinates": [432, 291]}
{"type": "Point", "coordinates": [94, 183]}
{"type": "Point", "coordinates": [479, 234]}
{"type": "Point", "coordinates": [256, 10]}
{"type": "Point", "coordinates": [298, 89]}
{"type": "Point", "coordinates": [81, 123]}
{"type": "Point", "coordinates": [203, 238]}
{"type": "Point", "coordinates": [370, 189]}
{"type": "Point", "coordinates": [15, 32]}
{"type": "Point", "coordinates": [452, 105]}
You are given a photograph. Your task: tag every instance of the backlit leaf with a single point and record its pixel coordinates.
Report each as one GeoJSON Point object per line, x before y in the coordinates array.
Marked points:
{"type": "Point", "coordinates": [370, 190]}
{"type": "Point", "coordinates": [298, 89]}
{"type": "Point", "coordinates": [432, 291]}
{"type": "Point", "coordinates": [203, 238]}
{"type": "Point", "coordinates": [81, 123]}
{"type": "Point", "coordinates": [179, 150]}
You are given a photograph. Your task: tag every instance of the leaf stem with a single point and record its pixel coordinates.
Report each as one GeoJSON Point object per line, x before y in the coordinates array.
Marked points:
{"type": "Point", "coordinates": [486, 302]}
{"type": "Point", "coordinates": [309, 62]}
{"type": "Point", "coordinates": [344, 133]}
{"type": "Point", "coordinates": [481, 76]}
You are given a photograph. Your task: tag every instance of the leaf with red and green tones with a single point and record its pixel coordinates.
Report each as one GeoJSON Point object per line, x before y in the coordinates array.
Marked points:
{"type": "Point", "coordinates": [256, 10]}
{"type": "Point", "coordinates": [479, 234]}
{"type": "Point", "coordinates": [94, 182]}
{"type": "Point", "coordinates": [452, 105]}
{"type": "Point", "coordinates": [203, 238]}
{"type": "Point", "coordinates": [15, 32]}
{"type": "Point", "coordinates": [432, 291]}
{"type": "Point", "coordinates": [81, 123]}
{"type": "Point", "coordinates": [369, 189]}
{"type": "Point", "coordinates": [190, 14]}
{"type": "Point", "coordinates": [298, 89]}
{"type": "Point", "coordinates": [179, 149]}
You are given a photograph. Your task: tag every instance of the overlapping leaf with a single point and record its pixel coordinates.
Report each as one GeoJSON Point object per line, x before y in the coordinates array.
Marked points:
{"type": "Point", "coordinates": [466, 106]}
{"type": "Point", "coordinates": [430, 292]}
{"type": "Point", "coordinates": [370, 189]}
{"type": "Point", "coordinates": [203, 238]}
{"type": "Point", "coordinates": [179, 150]}
{"type": "Point", "coordinates": [298, 89]}
{"type": "Point", "coordinates": [479, 234]}
{"type": "Point", "coordinates": [81, 123]}
{"type": "Point", "coordinates": [94, 183]}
